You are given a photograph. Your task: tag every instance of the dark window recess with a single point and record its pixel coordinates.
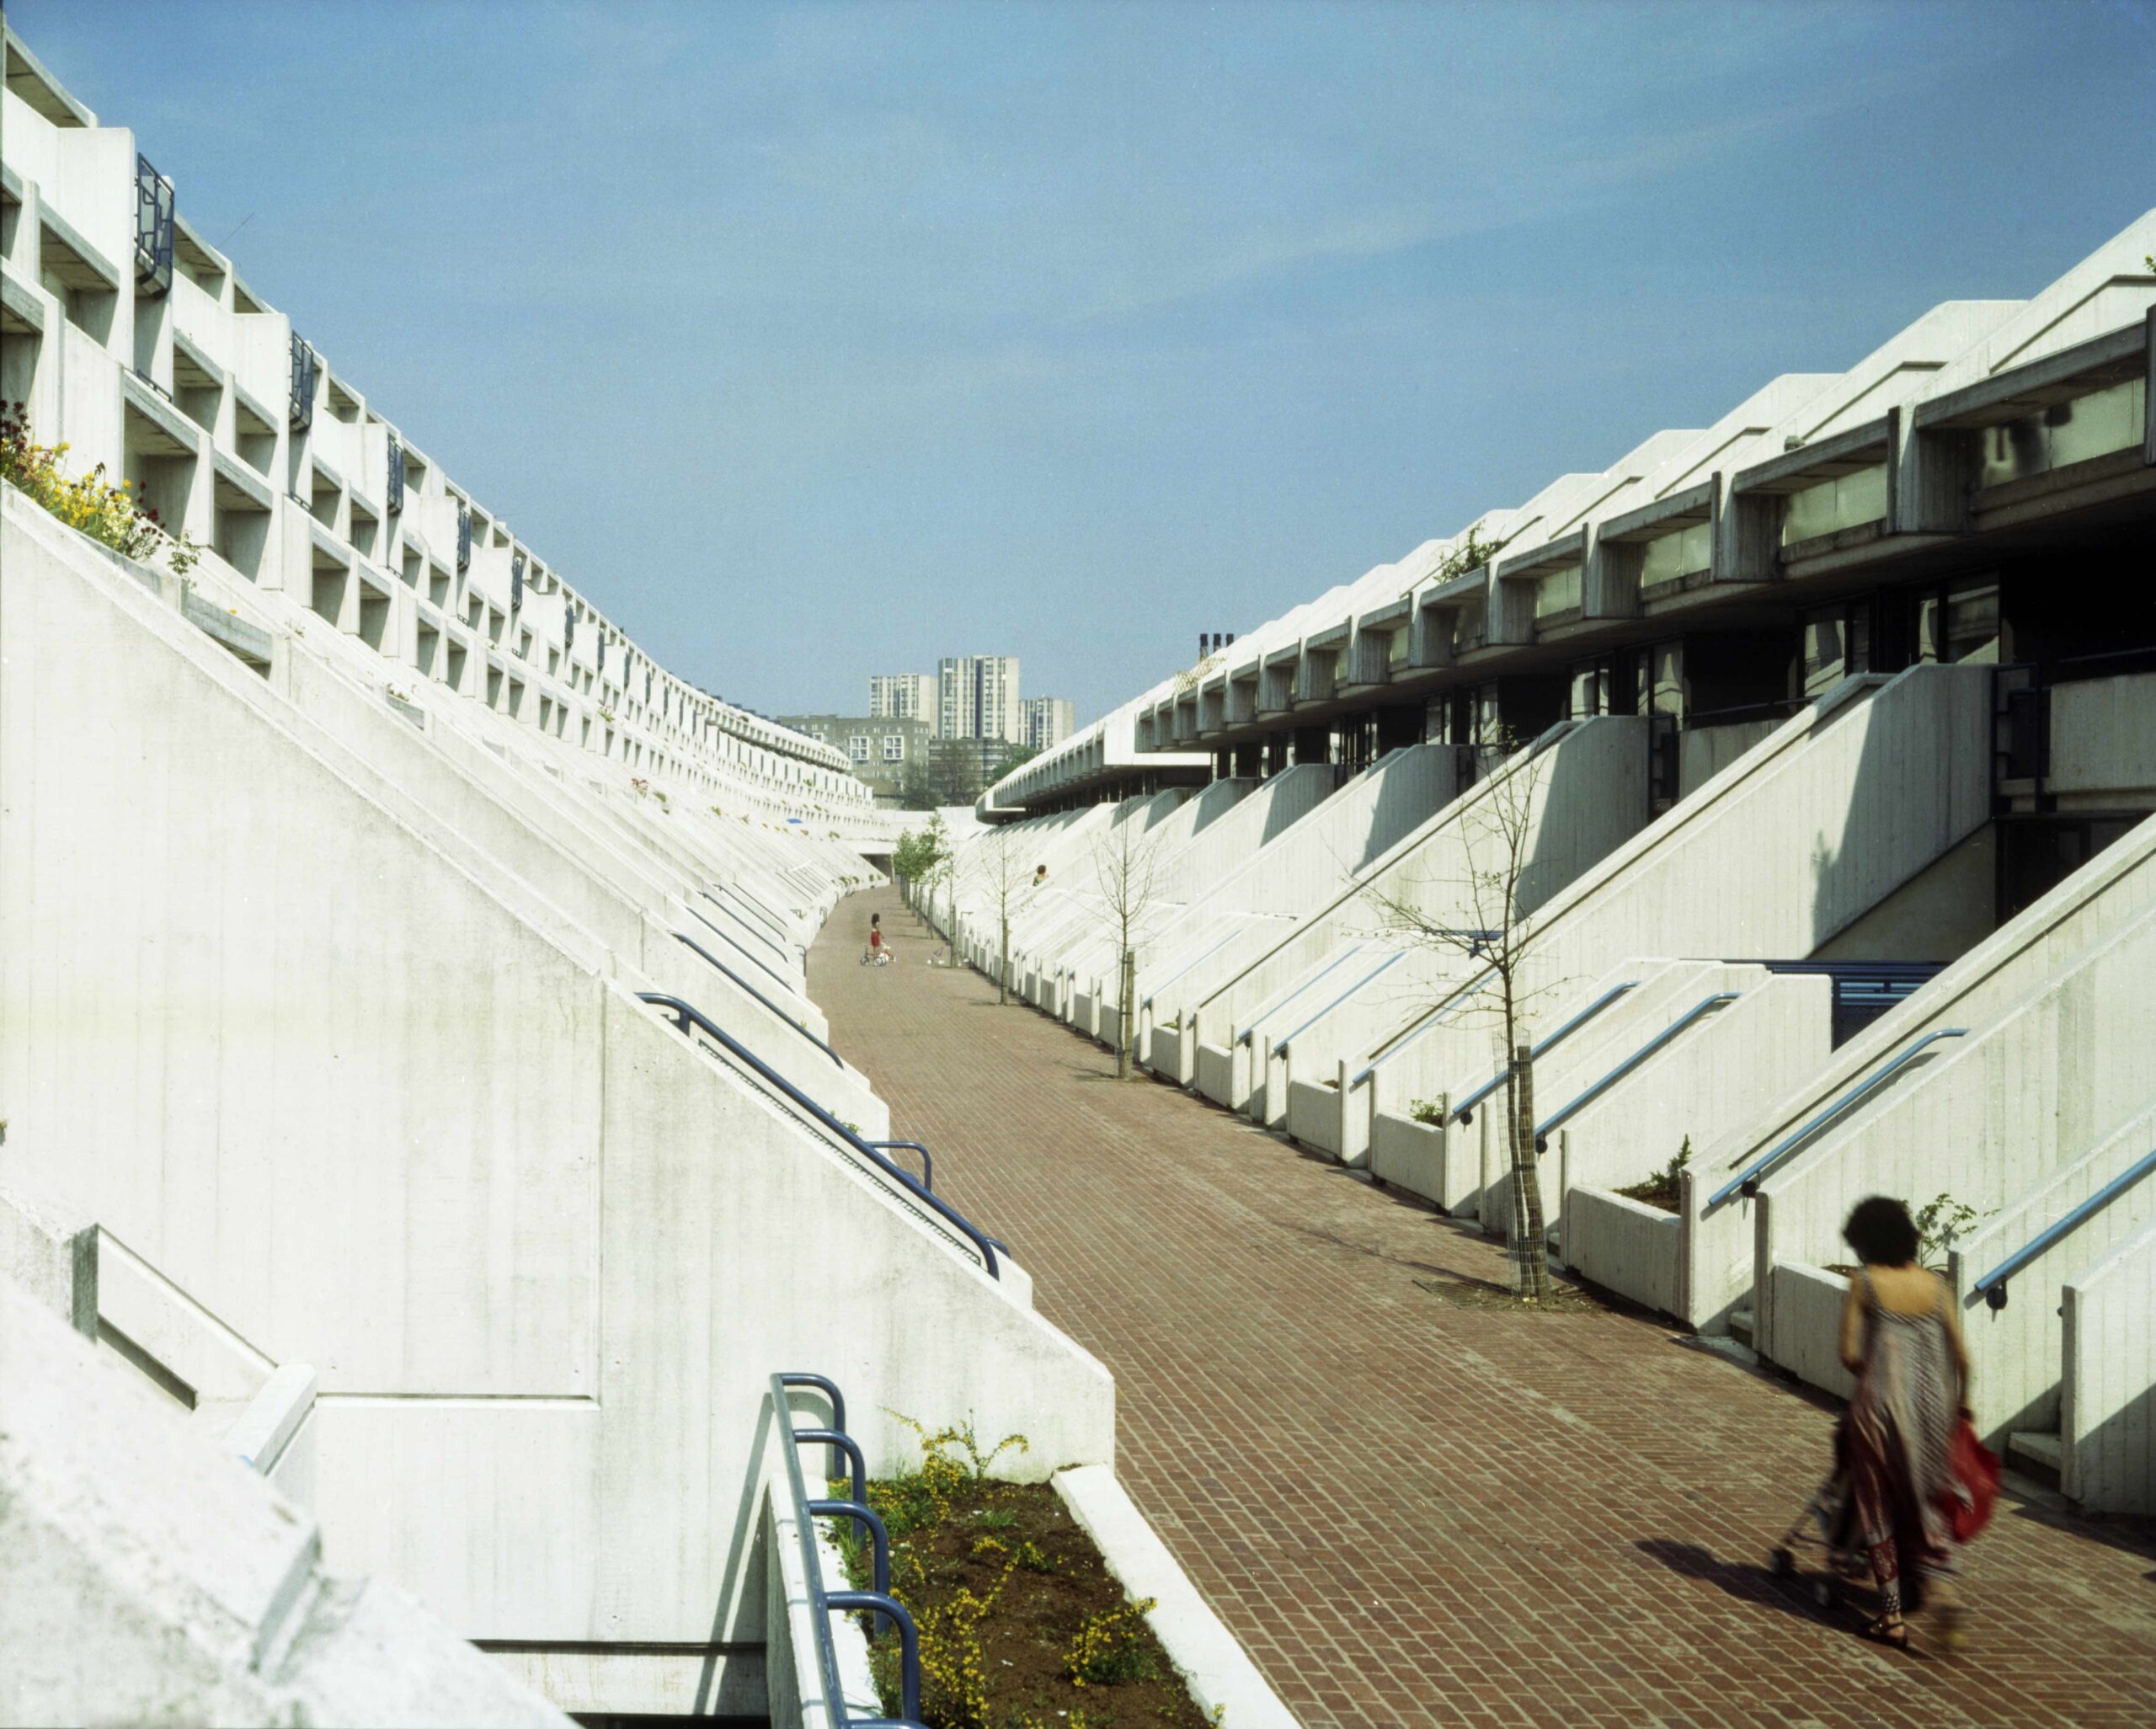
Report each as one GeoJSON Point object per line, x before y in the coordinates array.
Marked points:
{"type": "Point", "coordinates": [516, 581]}
{"type": "Point", "coordinates": [153, 218]}
{"type": "Point", "coordinates": [2036, 854]}
{"type": "Point", "coordinates": [1662, 759]}
{"type": "Point", "coordinates": [395, 501]}
{"type": "Point", "coordinates": [1864, 990]}
{"type": "Point", "coordinates": [305, 368]}
{"type": "Point", "coordinates": [2025, 752]}
{"type": "Point", "coordinates": [569, 626]}
{"type": "Point", "coordinates": [463, 537]}
{"type": "Point", "coordinates": [602, 656]}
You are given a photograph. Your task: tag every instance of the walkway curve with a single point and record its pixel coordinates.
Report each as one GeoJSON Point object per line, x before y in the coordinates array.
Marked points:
{"type": "Point", "coordinates": [1413, 1510]}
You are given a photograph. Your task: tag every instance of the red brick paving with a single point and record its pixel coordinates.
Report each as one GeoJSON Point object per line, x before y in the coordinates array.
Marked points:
{"type": "Point", "coordinates": [1415, 1512]}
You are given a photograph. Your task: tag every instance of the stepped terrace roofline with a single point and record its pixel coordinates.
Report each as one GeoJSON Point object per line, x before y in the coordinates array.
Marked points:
{"type": "Point", "coordinates": [250, 438]}
{"type": "Point", "coordinates": [1952, 446]}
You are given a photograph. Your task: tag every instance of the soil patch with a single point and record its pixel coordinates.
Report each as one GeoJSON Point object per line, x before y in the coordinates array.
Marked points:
{"type": "Point", "coordinates": [1022, 1627]}
{"type": "Point", "coordinates": [1661, 1190]}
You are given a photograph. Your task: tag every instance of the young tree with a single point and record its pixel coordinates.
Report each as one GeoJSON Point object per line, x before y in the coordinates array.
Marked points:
{"type": "Point", "coordinates": [1497, 835]}
{"type": "Point", "coordinates": [939, 868]}
{"type": "Point", "coordinates": [1003, 870]}
{"type": "Point", "coordinates": [1124, 862]}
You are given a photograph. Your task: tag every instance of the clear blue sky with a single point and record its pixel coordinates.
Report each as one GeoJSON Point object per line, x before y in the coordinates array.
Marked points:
{"type": "Point", "coordinates": [818, 341]}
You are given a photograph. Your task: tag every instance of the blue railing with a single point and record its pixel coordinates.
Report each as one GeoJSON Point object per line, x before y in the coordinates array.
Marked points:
{"type": "Point", "coordinates": [1442, 1011]}
{"type": "Point", "coordinates": [1288, 993]}
{"type": "Point", "coordinates": [154, 230]}
{"type": "Point", "coordinates": [735, 944]}
{"type": "Point", "coordinates": [687, 1013]}
{"type": "Point", "coordinates": [762, 917]}
{"type": "Point", "coordinates": [1992, 1284]}
{"type": "Point", "coordinates": [823, 1603]}
{"type": "Point", "coordinates": [1463, 1112]}
{"type": "Point", "coordinates": [305, 370]}
{"type": "Point", "coordinates": [1748, 1181]}
{"type": "Point", "coordinates": [392, 500]}
{"type": "Point", "coordinates": [720, 965]}
{"type": "Point", "coordinates": [464, 537]}
{"type": "Point", "coordinates": [1400, 954]}
{"type": "Point", "coordinates": [743, 923]}
{"type": "Point", "coordinates": [927, 1162]}
{"type": "Point", "coordinates": [1147, 1002]}
{"type": "Point", "coordinates": [1550, 1124]}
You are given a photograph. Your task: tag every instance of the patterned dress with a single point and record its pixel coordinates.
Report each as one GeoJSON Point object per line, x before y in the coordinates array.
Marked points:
{"type": "Point", "coordinates": [1900, 1429]}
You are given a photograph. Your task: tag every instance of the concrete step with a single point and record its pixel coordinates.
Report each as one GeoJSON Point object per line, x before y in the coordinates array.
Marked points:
{"type": "Point", "coordinates": [1740, 1327]}
{"type": "Point", "coordinates": [2038, 1451]}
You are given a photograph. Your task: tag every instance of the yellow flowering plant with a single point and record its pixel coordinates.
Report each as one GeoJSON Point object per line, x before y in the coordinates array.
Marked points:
{"type": "Point", "coordinates": [107, 514]}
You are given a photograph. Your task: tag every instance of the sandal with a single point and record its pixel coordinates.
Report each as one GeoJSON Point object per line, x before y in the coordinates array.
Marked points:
{"type": "Point", "coordinates": [1888, 1629]}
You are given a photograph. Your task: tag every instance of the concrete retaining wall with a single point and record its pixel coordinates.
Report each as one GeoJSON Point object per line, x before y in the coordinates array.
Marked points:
{"type": "Point", "coordinates": [2108, 1436]}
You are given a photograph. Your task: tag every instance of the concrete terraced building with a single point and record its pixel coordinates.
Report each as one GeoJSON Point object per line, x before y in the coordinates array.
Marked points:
{"type": "Point", "coordinates": [1834, 725]}
{"type": "Point", "coordinates": [412, 1099]}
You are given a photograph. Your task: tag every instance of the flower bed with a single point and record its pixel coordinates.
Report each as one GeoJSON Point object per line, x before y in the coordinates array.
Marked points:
{"type": "Point", "coordinates": [1022, 1627]}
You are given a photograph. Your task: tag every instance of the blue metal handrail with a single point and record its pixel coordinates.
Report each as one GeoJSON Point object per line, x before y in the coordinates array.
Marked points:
{"type": "Point", "coordinates": [1443, 1010]}
{"type": "Point", "coordinates": [1288, 993]}
{"type": "Point", "coordinates": [1398, 954]}
{"type": "Point", "coordinates": [823, 1603]}
{"type": "Point", "coordinates": [742, 922]}
{"type": "Point", "coordinates": [733, 944]}
{"type": "Point", "coordinates": [1992, 1284]}
{"type": "Point", "coordinates": [761, 997]}
{"type": "Point", "coordinates": [1147, 1002]}
{"type": "Point", "coordinates": [762, 916]}
{"type": "Point", "coordinates": [687, 1013]}
{"type": "Point", "coordinates": [1550, 1124]}
{"type": "Point", "coordinates": [927, 1162]}
{"type": "Point", "coordinates": [1747, 1180]}
{"type": "Point", "coordinates": [1463, 1112]}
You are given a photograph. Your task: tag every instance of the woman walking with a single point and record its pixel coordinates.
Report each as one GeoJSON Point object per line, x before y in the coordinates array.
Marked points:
{"type": "Point", "coordinates": [1902, 1342]}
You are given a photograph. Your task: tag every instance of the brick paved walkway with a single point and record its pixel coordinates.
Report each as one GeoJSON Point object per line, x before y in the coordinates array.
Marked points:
{"type": "Point", "coordinates": [1414, 1511]}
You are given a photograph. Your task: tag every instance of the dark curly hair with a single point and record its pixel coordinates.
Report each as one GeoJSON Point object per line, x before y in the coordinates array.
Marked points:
{"type": "Point", "coordinates": [1881, 1232]}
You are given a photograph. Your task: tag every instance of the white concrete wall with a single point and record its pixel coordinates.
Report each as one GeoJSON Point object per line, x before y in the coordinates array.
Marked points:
{"type": "Point", "coordinates": [1994, 1115]}
{"type": "Point", "coordinates": [146, 1578]}
{"type": "Point", "coordinates": [371, 1118]}
{"type": "Point", "coordinates": [1623, 1244]}
{"type": "Point", "coordinates": [2017, 1353]}
{"type": "Point", "coordinates": [2102, 742]}
{"type": "Point", "coordinates": [2108, 1453]}
{"type": "Point", "coordinates": [1985, 985]}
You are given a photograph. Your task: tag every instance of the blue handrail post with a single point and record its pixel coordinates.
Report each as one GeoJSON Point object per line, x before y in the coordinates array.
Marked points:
{"type": "Point", "coordinates": [685, 1014]}
{"type": "Point", "coordinates": [1748, 1180]}
{"type": "Point", "coordinates": [823, 1603]}
{"type": "Point", "coordinates": [1550, 1124]}
{"type": "Point", "coordinates": [927, 1163]}
{"type": "Point", "coordinates": [877, 1602]}
{"type": "Point", "coordinates": [1992, 1284]}
{"type": "Point", "coordinates": [829, 1388]}
{"type": "Point", "coordinates": [866, 1517]}
{"type": "Point", "coordinates": [841, 1442]}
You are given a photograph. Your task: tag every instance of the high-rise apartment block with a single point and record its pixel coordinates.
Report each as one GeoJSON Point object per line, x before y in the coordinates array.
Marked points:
{"type": "Point", "coordinates": [1049, 721]}
{"type": "Point", "coordinates": [977, 698]}
{"type": "Point", "coordinates": [903, 695]}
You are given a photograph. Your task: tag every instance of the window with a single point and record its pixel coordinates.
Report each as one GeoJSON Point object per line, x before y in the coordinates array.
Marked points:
{"type": "Point", "coordinates": [857, 747]}
{"type": "Point", "coordinates": [895, 747]}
